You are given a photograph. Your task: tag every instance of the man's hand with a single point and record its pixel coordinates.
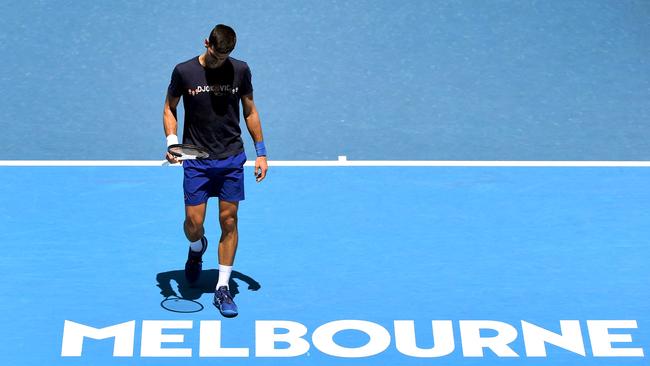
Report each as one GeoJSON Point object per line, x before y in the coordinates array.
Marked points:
{"type": "Point", "coordinates": [171, 159]}
{"type": "Point", "coordinates": [260, 168]}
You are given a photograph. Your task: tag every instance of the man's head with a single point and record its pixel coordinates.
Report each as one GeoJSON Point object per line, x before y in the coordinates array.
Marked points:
{"type": "Point", "coordinates": [222, 38]}
{"type": "Point", "coordinates": [221, 42]}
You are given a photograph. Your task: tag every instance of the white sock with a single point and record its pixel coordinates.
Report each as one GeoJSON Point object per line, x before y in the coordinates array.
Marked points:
{"type": "Point", "coordinates": [196, 246]}
{"type": "Point", "coordinates": [224, 275]}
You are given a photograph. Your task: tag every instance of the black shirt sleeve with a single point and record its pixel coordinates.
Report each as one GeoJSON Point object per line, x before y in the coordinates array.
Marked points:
{"type": "Point", "coordinates": [175, 88]}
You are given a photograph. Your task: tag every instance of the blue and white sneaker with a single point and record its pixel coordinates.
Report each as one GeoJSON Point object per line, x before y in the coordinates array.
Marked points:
{"type": "Point", "coordinates": [194, 263]}
{"type": "Point", "coordinates": [223, 301]}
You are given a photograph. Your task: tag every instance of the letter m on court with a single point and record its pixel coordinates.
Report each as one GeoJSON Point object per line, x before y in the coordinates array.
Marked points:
{"type": "Point", "coordinates": [74, 333]}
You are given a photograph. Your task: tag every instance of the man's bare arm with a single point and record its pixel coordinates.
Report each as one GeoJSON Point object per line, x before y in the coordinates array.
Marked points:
{"type": "Point", "coordinates": [252, 118]}
{"type": "Point", "coordinates": [255, 129]}
{"type": "Point", "coordinates": [170, 121]}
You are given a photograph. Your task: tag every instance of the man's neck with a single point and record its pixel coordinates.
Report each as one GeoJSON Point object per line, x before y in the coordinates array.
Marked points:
{"type": "Point", "coordinates": [202, 59]}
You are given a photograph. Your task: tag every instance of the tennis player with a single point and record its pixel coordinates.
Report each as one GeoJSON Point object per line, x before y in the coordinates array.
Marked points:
{"type": "Point", "coordinates": [212, 86]}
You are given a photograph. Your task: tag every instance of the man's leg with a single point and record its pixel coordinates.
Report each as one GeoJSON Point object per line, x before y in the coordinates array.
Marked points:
{"type": "Point", "coordinates": [193, 227]}
{"type": "Point", "coordinates": [194, 219]}
{"type": "Point", "coordinates": [229, 235]}
{"type": "Point", "coordinates": [227, 250]}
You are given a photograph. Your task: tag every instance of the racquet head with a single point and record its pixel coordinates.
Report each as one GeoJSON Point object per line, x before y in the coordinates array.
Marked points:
{"type": "Point", "coordinates": [187, 152]}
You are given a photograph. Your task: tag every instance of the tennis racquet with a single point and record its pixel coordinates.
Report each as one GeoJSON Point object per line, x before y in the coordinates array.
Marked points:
{"type": "Point", "coordinates": [187, 152]}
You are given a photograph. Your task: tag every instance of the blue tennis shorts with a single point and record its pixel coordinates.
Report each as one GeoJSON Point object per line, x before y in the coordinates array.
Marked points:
{"type": "Point", "coordinates": [205, 178]}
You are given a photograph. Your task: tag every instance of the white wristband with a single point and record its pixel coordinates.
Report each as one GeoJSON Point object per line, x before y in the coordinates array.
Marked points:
{"type": "Point", "coordinates": [172, 140]}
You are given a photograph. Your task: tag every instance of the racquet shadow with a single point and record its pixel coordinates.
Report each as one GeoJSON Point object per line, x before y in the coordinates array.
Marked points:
{"type": "Point", "coordinates": [205, 284]}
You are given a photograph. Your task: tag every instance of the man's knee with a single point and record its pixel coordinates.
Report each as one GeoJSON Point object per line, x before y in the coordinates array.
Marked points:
{"type": "Point", "coordinates": [228, 222]}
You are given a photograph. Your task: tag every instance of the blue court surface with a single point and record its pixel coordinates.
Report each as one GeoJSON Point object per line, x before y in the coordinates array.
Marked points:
{"type": "Point", "coordinates": [101, 246]}
{"type": "Point", "coordinates": [356, 265]}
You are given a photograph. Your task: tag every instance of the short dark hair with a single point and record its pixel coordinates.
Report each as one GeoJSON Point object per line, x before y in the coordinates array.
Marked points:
{"type": "Point", "coordinates": [223, 38]}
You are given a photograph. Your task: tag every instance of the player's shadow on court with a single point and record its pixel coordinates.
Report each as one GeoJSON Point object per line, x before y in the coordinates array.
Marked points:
{"type": "Point", "coordinates": [205, 284]}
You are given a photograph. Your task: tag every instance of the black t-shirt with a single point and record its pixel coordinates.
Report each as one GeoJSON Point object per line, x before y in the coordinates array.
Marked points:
{"type": "Point", "coordinates": [211, 101]}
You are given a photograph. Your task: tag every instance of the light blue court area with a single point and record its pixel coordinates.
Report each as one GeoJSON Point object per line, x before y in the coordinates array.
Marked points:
{"type": "Point", "coordinates": [101, 246]}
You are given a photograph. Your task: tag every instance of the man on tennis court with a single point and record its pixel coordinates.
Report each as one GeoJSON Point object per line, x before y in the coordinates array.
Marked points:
{"type": "Point", "coordinates": [212, 86]}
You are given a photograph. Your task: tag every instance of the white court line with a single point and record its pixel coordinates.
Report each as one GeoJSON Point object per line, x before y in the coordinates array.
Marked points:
{"type": "Point", "coordinates": [341, 162]}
